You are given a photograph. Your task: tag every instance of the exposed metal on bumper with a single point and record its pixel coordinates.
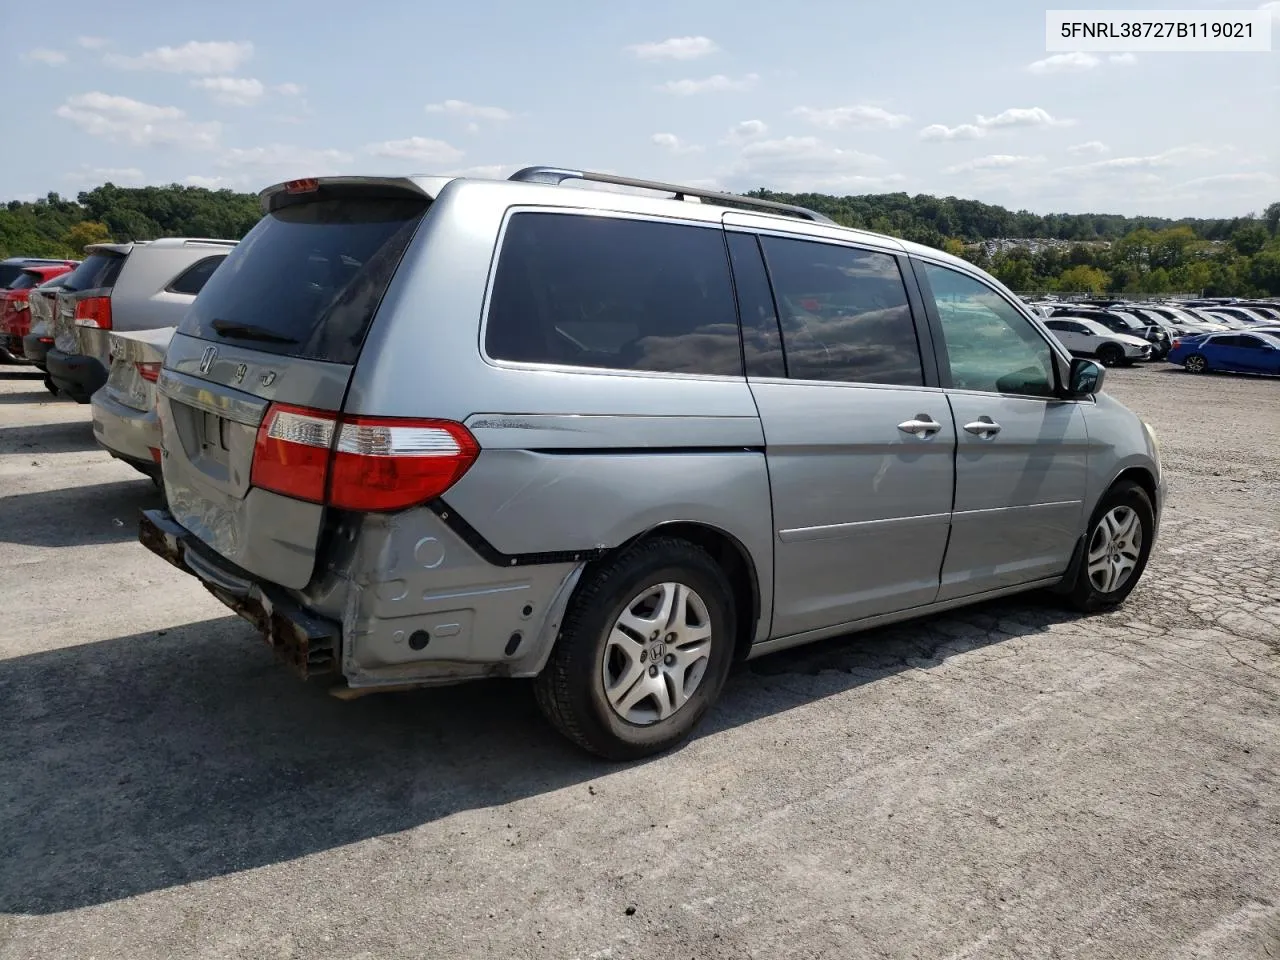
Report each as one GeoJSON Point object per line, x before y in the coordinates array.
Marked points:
{"type": "Point", "coordinates": [306, 642]}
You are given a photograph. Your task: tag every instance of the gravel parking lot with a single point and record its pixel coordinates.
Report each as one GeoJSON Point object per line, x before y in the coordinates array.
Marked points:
{"type": "Point", "coordinates": [1007, 781]}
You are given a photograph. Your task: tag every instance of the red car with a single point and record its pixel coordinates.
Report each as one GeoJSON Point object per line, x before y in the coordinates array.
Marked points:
{"type": "Point", "coordinates": [15, 317]}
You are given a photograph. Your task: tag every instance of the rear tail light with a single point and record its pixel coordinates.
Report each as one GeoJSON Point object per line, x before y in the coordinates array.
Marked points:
{"type": "Point", "coordinates": [359, 463]}
{"type": "Point", "coordinates": [94, 312]}
{"type": "Point", "coordinates": [1177, 342]}
{"type": "Point", "coordinates": [148, 371]}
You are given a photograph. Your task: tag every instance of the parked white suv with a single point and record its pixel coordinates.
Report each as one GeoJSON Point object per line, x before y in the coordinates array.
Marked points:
{"type": "Point", "coordinates": [1088, 338]}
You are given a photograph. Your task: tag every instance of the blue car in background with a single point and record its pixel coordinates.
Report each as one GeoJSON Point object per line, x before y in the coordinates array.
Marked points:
{"type": "Point", "coordinates": [1235, 352]}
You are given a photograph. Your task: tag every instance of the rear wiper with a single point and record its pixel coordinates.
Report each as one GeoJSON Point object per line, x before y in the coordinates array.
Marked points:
{"type": "Point", "coordinates": [247, 331]}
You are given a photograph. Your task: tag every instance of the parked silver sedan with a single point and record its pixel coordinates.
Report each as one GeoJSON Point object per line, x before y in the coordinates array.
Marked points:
{"type": "Point", "coordinates": [124, 410]}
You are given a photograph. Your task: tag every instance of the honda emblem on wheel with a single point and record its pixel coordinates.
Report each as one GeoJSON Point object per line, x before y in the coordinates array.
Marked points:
{"type": "Point", "coordinates": [207, 358]}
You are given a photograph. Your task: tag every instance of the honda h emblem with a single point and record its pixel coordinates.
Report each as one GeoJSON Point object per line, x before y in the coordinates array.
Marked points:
{"type": "Point", "coordinates": [207, 358]}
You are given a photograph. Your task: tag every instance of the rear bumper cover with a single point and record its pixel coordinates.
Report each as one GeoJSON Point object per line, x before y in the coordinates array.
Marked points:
{"type": "Point", "coordinates": [79, 377]}
{"type": "Point", "coordinates": [35, 347]}
{"type": "Point", "coordinates": [129, 434]}
{"type": "Point", "coordinates": [308, 643]}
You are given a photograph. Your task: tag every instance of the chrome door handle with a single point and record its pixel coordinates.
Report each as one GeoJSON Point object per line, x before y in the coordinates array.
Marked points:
{"type": "Point", "coordinates": [922, 426]}
{"type": "Point", "coordinates": [984, 427]}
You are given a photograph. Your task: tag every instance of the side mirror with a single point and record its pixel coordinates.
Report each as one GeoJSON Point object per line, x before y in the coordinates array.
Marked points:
{"type": "Point", "coordinates": [1085, 378]}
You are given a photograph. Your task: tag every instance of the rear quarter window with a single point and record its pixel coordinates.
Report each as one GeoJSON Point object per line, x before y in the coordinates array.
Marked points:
{"type": "Point", "coordinates": [614, 293]}
{"type": "Point", "coordinates": [192, 280]}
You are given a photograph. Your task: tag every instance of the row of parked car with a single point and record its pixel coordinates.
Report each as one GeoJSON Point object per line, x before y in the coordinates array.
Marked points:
{"type": "Point", "coordinates": [98, 329]}
{"type": "Point", "coordinates": [1118, 332]}
{"type": "Point", "coordinates": [422, 430]}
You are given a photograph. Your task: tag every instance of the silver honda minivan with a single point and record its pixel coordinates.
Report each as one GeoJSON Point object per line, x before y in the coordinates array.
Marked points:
{"type": "Point", "coordinates": [423, 430]}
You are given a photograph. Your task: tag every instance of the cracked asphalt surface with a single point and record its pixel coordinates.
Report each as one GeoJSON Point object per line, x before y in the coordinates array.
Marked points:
{"type": "Point", "coordinates": [1006, 781]}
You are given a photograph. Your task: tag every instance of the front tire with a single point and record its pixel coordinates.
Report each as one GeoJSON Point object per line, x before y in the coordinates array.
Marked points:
{"type": "Point", "coordinates": [1110, 355]}
{"type": "Point", "coordinates": [1117, 547]}
{"type": "Point", "coordinates": [643, 653]}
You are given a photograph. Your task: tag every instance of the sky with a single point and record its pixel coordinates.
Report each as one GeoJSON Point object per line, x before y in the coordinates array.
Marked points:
{"type": "Point", "coordinates": [834, 96]}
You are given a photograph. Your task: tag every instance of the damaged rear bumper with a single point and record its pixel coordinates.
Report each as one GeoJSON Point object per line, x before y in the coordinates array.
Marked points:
{"type": "Point", "coordinates": [308, 643]}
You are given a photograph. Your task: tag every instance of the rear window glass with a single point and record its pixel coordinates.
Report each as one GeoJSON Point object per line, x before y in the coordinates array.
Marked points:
{"type": "Point", "coordinates": [306, 280]}
{"type": "Point", "coordinates": [25, 282]}
{"type": "Point", "coordinates": [607, 292]}
{"type": "Point", "coordinates": [8, 273]}
{"type": "Point", "coordinates": [96, 271]}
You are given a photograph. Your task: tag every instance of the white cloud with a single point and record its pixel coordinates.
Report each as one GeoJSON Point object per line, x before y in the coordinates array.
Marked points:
{"type": "Point", "coordinates": [995, 161]}
{"type": "Point", "coordinates": [121, 118]}
{"type": "Point", "coordinates": [834, 118]}
{"type": "Point", "coordinates": [1023, 117]}
{"type": "Point", "coordinates": [1138, 167]}
{"type": "Point", "coordinates": [209, 183]}
{"type": "Point", "coordinates": [1246, 180]}
{"type": "Point", "coordinates": [234, 91]}
{"type": "Point", "coordinates": [1092, 146]}
{"type": "Point", "coordinates": [417, 149]}
{"type": "Point", "coordinates": [472, 111]}
{"type": "Point", "coordinates": [939, 131]}
{"type": "Point", "coordinates": [254, 167]}
{"type": "Point", "coordinates": [215, 56]}
{"type": "Point", "coordinates": [675, 48]}
{"type": "Point", "coordinates": [673, 144]}
{"type": "Point", "coordinates": [92, 43]}
{"type": "Point", "coordinates": [1123, 58]}
{"type": "Point", "coordinates": [88, 176]}
{"type": "Point", "coordinates": [718, 83]}
{"type": "Point", "coordinates": [747, 130]}
{"type": "Point", "coordinates": [1076, 62]}
{"type": "Point", "coordinates": [807, 163]}
{"type": "Point", "coordinates": [289, 89]}
{"type": "Point", "coordinates": [50, 58]}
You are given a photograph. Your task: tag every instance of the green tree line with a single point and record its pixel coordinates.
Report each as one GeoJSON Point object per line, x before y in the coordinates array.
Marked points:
{"type": "Point", "coordinates": [1103, 253]}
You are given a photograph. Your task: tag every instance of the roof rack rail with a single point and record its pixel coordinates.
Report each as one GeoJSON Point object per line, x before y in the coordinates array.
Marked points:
{"type": "Point", "coordinates": [557, 176]}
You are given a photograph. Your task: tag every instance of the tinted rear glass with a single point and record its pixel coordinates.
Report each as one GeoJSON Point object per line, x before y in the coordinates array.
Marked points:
{"type": "Point", "coordinates": [306, 280]}
{"type": "Point", "coordinates": [8, 273]}
{"type": "Point", "coordinates": [192, 280]}
{"type": "Point", "coordinates": [98, 270]}
{"type": "Point", "coordinates": [25, 282]}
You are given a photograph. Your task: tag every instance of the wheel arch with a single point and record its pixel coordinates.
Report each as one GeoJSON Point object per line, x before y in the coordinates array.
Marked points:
{"type": "Point", "coordinates": [732, 556]}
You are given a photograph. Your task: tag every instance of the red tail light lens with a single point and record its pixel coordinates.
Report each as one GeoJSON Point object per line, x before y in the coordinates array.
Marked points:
{"type": "Point", "coordinates": [366, 463]}
{"type": "Point", "coordinates": [1177, 342]}
{"type": "Point", "coordinates": [291, 452]}
{"type": "Point", "coordinates": [148, 371]}
{"type": "Point", "coordinates": [381, 464]}
{"type": "Point", "coordinates": [94, 312]}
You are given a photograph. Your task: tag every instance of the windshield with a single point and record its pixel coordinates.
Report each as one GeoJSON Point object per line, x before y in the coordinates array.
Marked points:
{"type": "Point", "coordinates": [1130, 320]}
{"type": "Point", "coordinates": [307, 279]}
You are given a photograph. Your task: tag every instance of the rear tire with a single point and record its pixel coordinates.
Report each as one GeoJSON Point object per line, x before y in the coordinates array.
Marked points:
{"type": "Point", "coordinates": [1110, 355]}
{"type": "Point", "coordinates": [622, 690]}
{"type": "Point", "coordinates": [1196, 363]}
{"type": "Point", "coordinates": [1116, 549]}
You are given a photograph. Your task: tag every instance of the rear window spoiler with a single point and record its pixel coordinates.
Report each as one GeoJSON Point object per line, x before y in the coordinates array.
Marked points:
{"type": "Point", "coordinates": [313, 188]}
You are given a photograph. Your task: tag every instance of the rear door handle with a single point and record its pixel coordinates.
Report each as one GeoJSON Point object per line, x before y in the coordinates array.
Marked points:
{"type": "Point", "coordinates": [923, 426]}
{"type": "Point", "coordinates": [984, 427]}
